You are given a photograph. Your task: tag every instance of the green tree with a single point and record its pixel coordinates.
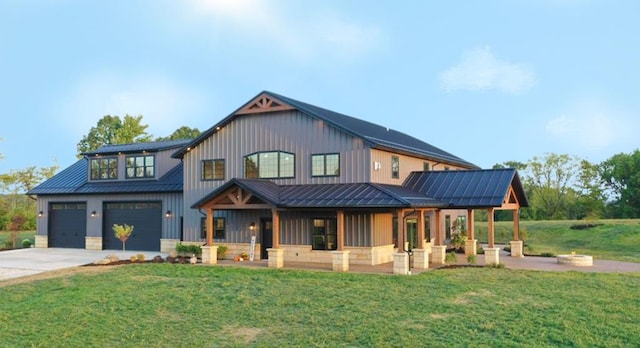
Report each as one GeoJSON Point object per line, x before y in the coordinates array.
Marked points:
{"type": "Point", "coordinates": [183, 132]}
{"type": "Point", "coordinates": [113, 130]}
{"type": "Point", "coordinates": [590, 200]}
{"type": "Point", "coordinates": [621, 176]}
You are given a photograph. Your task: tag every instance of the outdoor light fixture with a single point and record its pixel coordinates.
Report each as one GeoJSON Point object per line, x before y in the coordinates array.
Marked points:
{"type": "Point", "coordinates": [40, 213]}
{"type": "Point", "coordinates": [94, 214]}
{"type": "Point", "coordinates": [252, 226]}
{"type": "Point", "coordinates": [167, 214]}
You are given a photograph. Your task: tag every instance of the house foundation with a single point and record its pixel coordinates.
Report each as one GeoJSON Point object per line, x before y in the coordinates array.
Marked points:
{"type": "Point", "coordinates": [210, 254]}
{"type": "Point", "coordinates": [93, 243]}
{"type": "Point", "coordinates": [42, 241]}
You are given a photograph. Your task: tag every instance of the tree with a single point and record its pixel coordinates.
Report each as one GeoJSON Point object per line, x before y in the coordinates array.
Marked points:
{"type": "Point", "coordinates": [590, 201]}
{"type": "Point", "coordinates": [183, 132]}
{"type": "Point", "coordinates": [621, 176]}
{"type": "Point", "coordinates": [122, 232]}
{"type": "Point", "coordinates": [113, 130]}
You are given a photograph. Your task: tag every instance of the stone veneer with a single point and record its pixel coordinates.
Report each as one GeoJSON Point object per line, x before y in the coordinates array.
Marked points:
{"type": "Point", "coordinates": [470, 247]}
{"type": "Point", "coordinates": [357, 255]}
{"type": "Point", "coordinates": [169, 245]}
{"type": "Point", "coordinates": [401, 263]}
{"type": "Point", "coordinates": [492, 256]}
{"type": "Point", "coordinates": [516, 248]}
{"type": "Point", "coordinates": [42, 241]}
{"type": "Point", "coordinates": [93, 243]}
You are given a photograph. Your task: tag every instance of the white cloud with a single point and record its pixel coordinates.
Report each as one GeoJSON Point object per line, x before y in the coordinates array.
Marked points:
{"type": "Point", "coordinates": [160, 101]}
{"type": "Point", "coordinates": [481, 70]}
{"type": "Point", "coordinates": [304, 34]}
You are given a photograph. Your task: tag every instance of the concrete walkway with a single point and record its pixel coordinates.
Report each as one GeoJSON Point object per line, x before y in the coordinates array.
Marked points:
{"type": "Point", "coordinates": [25, 262]}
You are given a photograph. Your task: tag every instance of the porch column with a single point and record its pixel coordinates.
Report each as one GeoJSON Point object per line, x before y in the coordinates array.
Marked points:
{"type": "Point", "coordinates": [210, 251]}
{"type": "Point", "coordinates": [340, 257]}
{"type": "Point", "coordinates": [438, 251]}
{"type": "Point", "coordinates": [516, 244]}
{"type": "Point", "coordinates": [340, 232]}
{"type": "Point", "coordinates": [275, 254]}
{"type": "Point", "coordinates": [491, 254]}
{"type": "Point", "coordinates": [421, 253]}
{"type": "Point", "coordinates": [400, 258]}
{"type": "Point", "coordinates": [470, 245]}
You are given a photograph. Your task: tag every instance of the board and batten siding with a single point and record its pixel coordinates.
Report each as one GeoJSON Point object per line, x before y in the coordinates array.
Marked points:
{"type": "Point", "coordinates": [381, 172]}
{"type": "Point", "coordinates": [170, 201]}
{"type": "Point", "coordinates": [297, 227]}
{"type": "Point", "coordinates": [289, 131]}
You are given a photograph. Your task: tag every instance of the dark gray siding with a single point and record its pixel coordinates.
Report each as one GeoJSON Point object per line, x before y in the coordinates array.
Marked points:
{"type": "Point", "coordinates": [297, 227]}
{"type": "Point", "coordinates": [290, 131]}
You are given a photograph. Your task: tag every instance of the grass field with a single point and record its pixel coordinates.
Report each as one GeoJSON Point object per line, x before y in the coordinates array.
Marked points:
{"type": "Point", "coordinates": [163, 305]}
{"type": "Point", "coordinates": [610, 239]}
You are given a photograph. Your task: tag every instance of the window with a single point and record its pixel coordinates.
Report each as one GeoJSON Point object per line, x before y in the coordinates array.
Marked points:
{"type": "Point", "coordinates": [325, 165]}
{"type": "Point", "coordinates": [461, 224]}
{"type": "Point", "coordinates": [425, 166]}
{"type": "Point", "coordinates": [447, 226]}
{"type": "Point", "coordinates": [395, 167]}
{"type": "Point", "coordinates": [269, 165]}
{"type": "Point", "coordinates": [218, 228]}
{"type": "Point", "coordinates": [140, 167]}
{"type": "Point", "coordinates": [447, 168]}
{"type": "Point", "coordinates": [325, 233]}
{"type": "Point", "coordinates": [212, 169]}
{"type": "Point", "coordinates": [411, 231]}
{"type": "Point", "coordinates": [427, 227]}
{"type": "Point", "coordinates": [104, 168]}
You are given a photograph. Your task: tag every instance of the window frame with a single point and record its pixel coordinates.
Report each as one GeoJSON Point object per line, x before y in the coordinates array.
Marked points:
{"type": "Point", "coordinates": [395, 167]}
{"type": "Point", "coordinates": [214, 163]}
{"type": "Point", "coordinates": [278, 165]}
{"type": "Point", "coordinates": [111, 171]}
{"type": "Point", "coordinates": [135, 166]}
{"type": "Point", "coordinates": [324, 164]}
{"type": "Point", "coordinates": [327, 234]}
{"type": "Point", "coordinates": [218, 233]}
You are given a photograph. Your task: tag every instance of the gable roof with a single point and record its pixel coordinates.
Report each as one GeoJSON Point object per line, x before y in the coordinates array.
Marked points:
{"type": "Point", "coordinates": [375, 135]}
{"type": "Point", "coordinates": [469, 188]}
{"type": "Point", "coordinates": [153, 146]}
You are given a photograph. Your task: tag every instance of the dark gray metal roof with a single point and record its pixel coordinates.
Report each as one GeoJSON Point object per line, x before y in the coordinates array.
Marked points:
{"type": "Point", "coordinates": [139, 147]}
{"type": "Point", "coordinates": [374, 134]}
{"type": "Point", "coordinates": [468, 188]}
{"type": "Point", "coordinates": [73, 180]}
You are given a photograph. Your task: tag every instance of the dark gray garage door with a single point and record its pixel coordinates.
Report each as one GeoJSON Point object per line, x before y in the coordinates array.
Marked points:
{"type": "Point", "coordinates": [146, 219]}
{"type": "Point", "coordinates": [67, 225]}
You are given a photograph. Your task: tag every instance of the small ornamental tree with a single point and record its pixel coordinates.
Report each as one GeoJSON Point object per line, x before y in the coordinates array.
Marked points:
{"type": "Point", "coordinates": [122, 232]}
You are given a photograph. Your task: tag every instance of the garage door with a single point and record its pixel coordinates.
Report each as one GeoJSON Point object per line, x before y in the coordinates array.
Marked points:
{"type": "Point", "coordinates": [67, 225]}
{"type": "Point", "coordinates": [146, 219]}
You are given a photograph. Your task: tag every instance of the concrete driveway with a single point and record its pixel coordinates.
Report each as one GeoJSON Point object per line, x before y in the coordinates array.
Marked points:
{"type": "Point", "coordinates": [25, 262]}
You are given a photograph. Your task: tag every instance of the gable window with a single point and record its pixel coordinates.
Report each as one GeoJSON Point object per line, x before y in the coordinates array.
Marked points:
{"type": "Point", "coordinates": [269, 165]}
{"type": "Point", "coordinates": [325, 234]}
{"type": "Point", "coordinates": [425, 166]}
{"type": "Point", "coordinates": [325, 165]}
{"type": "Point", "coordinates": [218, 228]}
{"type": "Point", "coordinates": [104, 168]}
{"type": "Point", "coordinates": [140, 167]}
{"type": "Point", "coordinates": [395, 167]}
{"type": "Point", "coordinates": [213, 169]}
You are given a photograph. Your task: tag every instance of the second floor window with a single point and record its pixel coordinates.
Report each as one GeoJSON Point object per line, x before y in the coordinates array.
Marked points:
{"type": "Point", "coordinates": [104, 168]}
{"type": "Point", "coordinates": [213, 169]}
{"type": "Point", "coordinates": [269, 165]}
{"type": "Point", "coordinates": [395, 167]}
{"type": "Point", "coordinates": [140, 167]}
{"type": "Point", "coordinates": [325, 165]}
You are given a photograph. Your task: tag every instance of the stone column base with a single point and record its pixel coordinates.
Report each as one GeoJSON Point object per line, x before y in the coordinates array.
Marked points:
{"type": "Point", "coordinates": [470, 247]}
{"type": "Point", "coordinates": [516, 248]}
{"type": "Point", "coordinates": [401, 263]}
{"type": "Point", "coordinates": [421, 258]}
{"type": "Point", "coordinates": [340, 261]}
{"type": "Point", "coordinates": [93, 243]}
{"type": "Point", "coordinates": [168, 245]}
{"type": "Point", "coordinates": [42, 241]}
{"type": "Point", "coordinates": [438, 254]}
{"type": "Point", "coordinates": [210, 255]}
{"type": "Point", "coordinates": [276, 258]}
{"type": "Point", "coordinates": [491, 256]}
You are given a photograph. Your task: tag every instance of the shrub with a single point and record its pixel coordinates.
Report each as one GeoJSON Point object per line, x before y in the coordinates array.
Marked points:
{"type": "Point", "coordinates": [133, 258]}
{"type": "Point", "coordinates": [26, 243]}
{"type": "Point", "coordinates": [188, 249]}
{"type": "Point", "coordinates": [497, 265]}
{"type": "Point", "coordinates": [451, 258]}
{"type": "Point", "coordinates": [472, 259]}
{"type": "Point", "coordinates": [583, 226]}
{"type": "Point", "coordinates": [140, 257]}
{"type": "Point", "coordinates": [480, 250]}
{"type": "Point", "coordinates": [547, 254]}
{"type": "Point", "coordinates": [222, 250]}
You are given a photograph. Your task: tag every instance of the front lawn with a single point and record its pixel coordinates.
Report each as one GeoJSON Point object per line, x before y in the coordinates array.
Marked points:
{"type": "Point", "coordinates": [164, 305]}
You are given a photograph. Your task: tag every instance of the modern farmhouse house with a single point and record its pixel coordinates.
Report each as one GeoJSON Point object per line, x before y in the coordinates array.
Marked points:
{"type": "Point", "coordinates": [283, 180]}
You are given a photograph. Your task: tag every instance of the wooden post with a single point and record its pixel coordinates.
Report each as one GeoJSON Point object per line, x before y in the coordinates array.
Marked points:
{"type": "Point", "coordinates": [275, 228]}
{"type": "Point", "coordinates": [516, 225]}
{"type": "Point", "coordinates": [420, 230]}
{"type": "Point", "coordinates": [470, 225]}
{"type": "Point", "coordinates": [401, 240]}
{"type": "Point", "coordinates": [210, 226]}
{"type": "Point", "coordinates": [340, 222]}
{"type": "Point", "coordinates": [491, 235]}
{"type": "Point", "coordinates": [438, 228]}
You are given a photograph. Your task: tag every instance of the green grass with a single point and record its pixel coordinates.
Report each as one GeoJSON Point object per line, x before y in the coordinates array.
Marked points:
{"type": "Point", "coordinates": [6, 236]}
{"type": "Point", "coordinates": [163, 305]}
{"type": "Point", "coordinates": [611, 239]}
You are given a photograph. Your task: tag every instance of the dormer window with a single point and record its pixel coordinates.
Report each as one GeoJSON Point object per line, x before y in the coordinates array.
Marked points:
{"type": "Point", "coordinates": [139, 167]}
{"type": "Point", "coordinates": [104, 168]}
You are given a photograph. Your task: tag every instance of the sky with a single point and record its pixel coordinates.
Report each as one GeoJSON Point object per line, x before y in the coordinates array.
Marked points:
{"type": "Point", "coordinates": [489, 81]}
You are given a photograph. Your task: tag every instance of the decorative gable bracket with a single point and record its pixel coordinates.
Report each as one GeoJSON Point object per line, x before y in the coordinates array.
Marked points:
{"type": "Point", "coordinates": [263, 103]}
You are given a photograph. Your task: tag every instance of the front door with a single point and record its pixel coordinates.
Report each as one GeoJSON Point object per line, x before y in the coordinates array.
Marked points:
{"type": "Point", "coordinates": [266, 236]}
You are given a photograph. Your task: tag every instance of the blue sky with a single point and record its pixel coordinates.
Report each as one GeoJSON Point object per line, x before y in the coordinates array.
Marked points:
{"type": "Point", "coordinates": [489, 81]}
